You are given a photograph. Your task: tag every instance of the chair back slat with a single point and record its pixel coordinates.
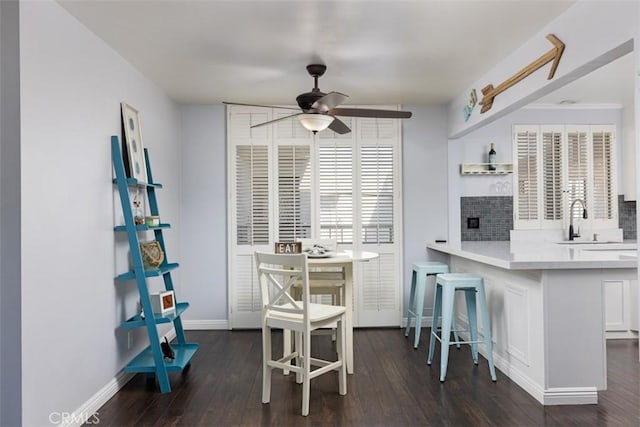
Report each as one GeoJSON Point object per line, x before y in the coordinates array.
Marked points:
{"type": "Point", "coordinates": [277, 274]}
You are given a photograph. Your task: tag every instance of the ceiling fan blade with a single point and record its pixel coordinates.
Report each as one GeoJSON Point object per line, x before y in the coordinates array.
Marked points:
{"type": "Point", "coordinates": [367, 112]}
{"type": "Point", "coordinates": [276, 120]}
{"type": "Point", "coordinates": [258, 105]}
{"type": "Point", "coordinates": [329, 101]}
{"type": "Point", "coordinates": [339, 127]}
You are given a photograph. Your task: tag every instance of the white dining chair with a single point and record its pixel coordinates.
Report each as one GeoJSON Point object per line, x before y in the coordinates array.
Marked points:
{"type": "Point", "coordinates": [277, 274]}
{"type": "Point", "coordinates": [325, 281]}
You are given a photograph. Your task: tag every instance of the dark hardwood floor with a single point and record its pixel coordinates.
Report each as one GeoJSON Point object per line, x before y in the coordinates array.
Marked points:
{"type": "Point", "coordinates": [392, 386]}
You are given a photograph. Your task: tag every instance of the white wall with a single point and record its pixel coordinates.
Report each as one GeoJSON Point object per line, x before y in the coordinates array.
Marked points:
{"type": "Point", "coordinates": [203, 204]}
{"type": "Point", "coordinates": [10, 346]}
{"type": "Point", "coordinates": [424, 166]}
{"type": "Point", "coordinates": [71, 87]}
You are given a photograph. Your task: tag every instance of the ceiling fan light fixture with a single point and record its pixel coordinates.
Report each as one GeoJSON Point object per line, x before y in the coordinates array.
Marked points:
{"type": "Point", "coordinates": [315, 122]}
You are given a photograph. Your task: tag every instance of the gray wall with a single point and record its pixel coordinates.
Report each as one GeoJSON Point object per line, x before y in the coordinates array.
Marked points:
{"type": "Point", "coordinates": [10, 261]}
{"type": "Point", "coordinates": [203, 203]}
{"type": "Point", "coordinates": [424, 191]}
{"type": "Point", "coordinates": [71, 87]}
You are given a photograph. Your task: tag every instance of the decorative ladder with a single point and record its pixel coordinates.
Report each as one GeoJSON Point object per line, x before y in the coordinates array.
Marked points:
{"type": "Point", "coordinates": [151, 360]}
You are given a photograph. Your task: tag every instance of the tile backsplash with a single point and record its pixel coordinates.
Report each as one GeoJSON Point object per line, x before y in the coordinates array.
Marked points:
{"type": "Point", "coordinates": [627, 218]}
{"type": "Point", "coordinates": [495, 217]}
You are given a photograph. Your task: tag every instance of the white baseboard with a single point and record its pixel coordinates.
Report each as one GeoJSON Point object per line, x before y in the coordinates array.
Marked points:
{"type": "Point", "coordinates": [201, 325]}
{"type": "Point", "coordinates": [571, 396]}
{"type": "Point", "coordinates": [426, 322]}
{"type": "Point", "coordinates": [88, 412]}
{"type": "Point", "coordinates": [549, 396]}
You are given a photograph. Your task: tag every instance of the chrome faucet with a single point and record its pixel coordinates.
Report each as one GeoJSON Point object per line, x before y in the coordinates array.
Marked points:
{"type": "Point", "coordinates": [584, 216]}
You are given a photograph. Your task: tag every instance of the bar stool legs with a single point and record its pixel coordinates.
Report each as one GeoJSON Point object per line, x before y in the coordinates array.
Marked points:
{"type": "Point", "coordinates": [421, 270]}
{"type": "Point", "coordinates": [416, 305]}
{"type": "Point", "coordinates": [443, 305]}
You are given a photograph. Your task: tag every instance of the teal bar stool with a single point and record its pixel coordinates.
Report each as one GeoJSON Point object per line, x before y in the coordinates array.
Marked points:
{"type": "Point", "coordinates": [446, 287]}
{"type": "Point", "coordinates": [421, 270]}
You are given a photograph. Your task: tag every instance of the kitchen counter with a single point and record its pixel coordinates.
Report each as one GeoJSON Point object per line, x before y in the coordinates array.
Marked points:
{"type": "Point", "coordinates": [547, 309]}
{"type": "Point", "coordinates": [545, 255]}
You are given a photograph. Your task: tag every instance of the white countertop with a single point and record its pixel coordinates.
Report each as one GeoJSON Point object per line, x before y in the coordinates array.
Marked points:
{"type": "Point", "coordinates": [524, 255]}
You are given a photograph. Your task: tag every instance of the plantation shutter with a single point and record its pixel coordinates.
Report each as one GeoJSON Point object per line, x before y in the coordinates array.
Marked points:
{"type": "Point", "coordinates": [552, 197]}
{"type": "Point", "coordinates": [604, 192]}
{"type": "Point", "coordinates": [286, 184]}
{"type": "Point", "coordinates": [252, 195]}
{"type": "Point", "coordinates": [577, 186]}
{"type": "Point", "coordinates": [376, 194]}
{"type": "Point", "coordinates": [378, 296]}
{"type": "Point", "coordinates": [526, 166]}
{"type": "Point", "coordinates": [294, 192]}
{"type": "Point", "coordinates": [335, 177]}
{"type": "Point", "coordinates": [252, 232]}
{"type": "Point", "coordinates": [571, 162]}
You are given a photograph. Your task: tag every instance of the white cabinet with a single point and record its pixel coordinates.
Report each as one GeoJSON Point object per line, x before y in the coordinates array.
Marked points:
{"type": "Point", "coordinates": [621, 308]}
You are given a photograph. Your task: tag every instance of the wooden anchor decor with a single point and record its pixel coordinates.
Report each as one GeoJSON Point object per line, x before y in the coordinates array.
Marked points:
{"type": "Point", "coordinates": [554, 55]}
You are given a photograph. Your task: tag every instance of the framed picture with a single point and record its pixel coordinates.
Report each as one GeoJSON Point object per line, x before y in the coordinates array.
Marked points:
{"type": "Point", "coordinates": [163, 302]}
{"type": "Point", "coordinates": [134, 158]}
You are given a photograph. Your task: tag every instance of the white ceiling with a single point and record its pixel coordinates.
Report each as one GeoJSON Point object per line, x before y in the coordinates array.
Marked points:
{"type": "Point", "coordinates": [377, 52]}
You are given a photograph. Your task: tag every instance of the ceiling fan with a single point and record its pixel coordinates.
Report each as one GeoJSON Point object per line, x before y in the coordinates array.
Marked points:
{"type": "Point", "coordinates": [319, 109]}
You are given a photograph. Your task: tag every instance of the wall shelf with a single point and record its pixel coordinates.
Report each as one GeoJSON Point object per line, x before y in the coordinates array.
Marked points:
{"type": "Point", "coordinates": [483, 169]}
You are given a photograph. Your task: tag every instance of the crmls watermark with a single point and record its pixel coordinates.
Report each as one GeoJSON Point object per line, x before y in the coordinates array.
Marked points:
{"type": "Point", "coordinates": [69, 418]}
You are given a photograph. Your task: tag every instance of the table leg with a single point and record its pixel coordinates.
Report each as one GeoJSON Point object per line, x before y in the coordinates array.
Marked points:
{"type": "Point", "coordinates": [348, 302]}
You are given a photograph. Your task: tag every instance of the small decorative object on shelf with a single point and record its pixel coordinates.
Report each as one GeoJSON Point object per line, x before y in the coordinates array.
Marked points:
{"type": "Point", "coordinates": [138, 212]}
{"type": "Point", "coordinates": [152, 254]}
{"type": "Point", "coordinates": [167, 351]}
{"type": "Point", "coordinates": [152, 220]}
{"type": "Point", "coordinates": [492, 158]}
{"type": "Point", "coordinates": [163, 302]}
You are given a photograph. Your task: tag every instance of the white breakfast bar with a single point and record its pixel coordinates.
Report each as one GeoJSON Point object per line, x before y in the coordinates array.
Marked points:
{"type": "Point", "coordinates": [547, 309]}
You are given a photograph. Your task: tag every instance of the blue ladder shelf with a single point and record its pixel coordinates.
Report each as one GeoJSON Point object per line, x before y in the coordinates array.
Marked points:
{"type": "Point", "coordinates": [151, 359]}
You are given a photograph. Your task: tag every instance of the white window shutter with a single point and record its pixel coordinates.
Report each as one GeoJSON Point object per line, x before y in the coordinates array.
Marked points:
{"type": "Point", "coordinates": [377, 295]}
{"type": "Point", "coordinates": [346, 188]}
{"type": "Point", "coordinates": [252, 195]}
{"type": "Point", "coordinates": [526, 165]}
{"type": "Point", "coordinates": [604, 209]}
{"type": "Point", "coordinates": [577, 185]}
{"type": "Point", "coordinates": [552, 167]}
{"type": "Point", "coordinates": [376, 194]}
{"type": "Point", "coordinates": [247, 304]}
{"type": "Point", "coordinates": [335, 176]}
{"type": "Point", "coordinates": [574, 162]}
{"type": "Point", "coordinates": [290, 128]}
{"type": "Point", "coordinates": [294, 192]}
{"type": "Point", "coordinates": [377, 129]}
{"type": "Point", "coordinates": [243, 118]}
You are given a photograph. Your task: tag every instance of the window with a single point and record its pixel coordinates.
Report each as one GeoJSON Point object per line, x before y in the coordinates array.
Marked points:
{"type": "Point", "coordinates": [555, 165]}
